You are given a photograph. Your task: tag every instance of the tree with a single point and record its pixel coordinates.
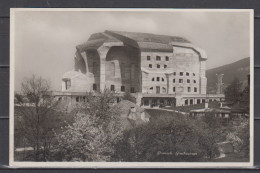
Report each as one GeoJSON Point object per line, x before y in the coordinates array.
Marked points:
{"type": "Point", "coordinates": [239, 137]}
{"type": "Point", "coordinates": [245, 98]}
{"type": "Point", "coordinates": [95, 130]}
{"type": "Point", "coordinates": [233, 91]}
{"type": "Point", "coordinates": [128, 96]}
{"type": "Point", "coordinates": [164, 140]}
{"type": "Point", "coordinates": [35, 116]}
{"type": "Point", "coordinates": [213, 133]}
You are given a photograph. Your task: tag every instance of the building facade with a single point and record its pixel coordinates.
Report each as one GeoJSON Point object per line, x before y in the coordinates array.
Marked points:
{"type": "Point", "coordinates": [156, 69]}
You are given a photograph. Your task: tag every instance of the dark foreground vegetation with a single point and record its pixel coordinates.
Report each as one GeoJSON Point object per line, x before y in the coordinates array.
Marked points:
{"type": "Point", "coordinates": [94, 131]}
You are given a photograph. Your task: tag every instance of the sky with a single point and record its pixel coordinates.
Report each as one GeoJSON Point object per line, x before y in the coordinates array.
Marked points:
{"type": "Point", "coordinates": [45, 41]}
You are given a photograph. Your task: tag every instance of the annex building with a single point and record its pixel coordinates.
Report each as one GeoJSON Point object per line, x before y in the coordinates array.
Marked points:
{"type": "Point", "coordinates": [156, 69]}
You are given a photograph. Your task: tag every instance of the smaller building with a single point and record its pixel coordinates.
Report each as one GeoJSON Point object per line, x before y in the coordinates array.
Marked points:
{"type": "Point", "coordinates": [234, 115]}
{"type": "Point", "coordinates": [217, 112]}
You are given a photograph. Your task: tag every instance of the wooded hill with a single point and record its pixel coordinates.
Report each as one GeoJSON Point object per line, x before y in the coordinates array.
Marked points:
{"type": "Point", "coordinates": [239, 69]}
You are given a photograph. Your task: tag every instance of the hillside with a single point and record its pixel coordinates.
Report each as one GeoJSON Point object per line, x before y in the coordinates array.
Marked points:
{"type": "Point", "coordinates": [239, 69]}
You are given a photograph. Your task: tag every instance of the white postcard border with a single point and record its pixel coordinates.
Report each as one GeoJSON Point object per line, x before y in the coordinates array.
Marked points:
{"type": "Point", "coordinates": [15, 164]}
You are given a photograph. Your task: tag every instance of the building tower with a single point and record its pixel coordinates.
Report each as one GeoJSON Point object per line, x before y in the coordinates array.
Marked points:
{"type": "Point", "coordinates": [220, 83]}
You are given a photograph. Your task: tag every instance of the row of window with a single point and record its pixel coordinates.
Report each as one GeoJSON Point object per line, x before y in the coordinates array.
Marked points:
{"type": "Point", "coordinates": [155, 102]}
{"type": "Point", "coordinates": [158, 58]}
{"type": "Point", "coordinates": [158, 79]}
{"type": "Point", "coordinates": [191, 101]}
{"type": "Point", "coordinates": [180, 80]}
{"type": "Point", "coordinates": [174, 73]}
{"type": "Point", "coordinates": [83, 99]}
{"type": "Point", "coordinates": [112, 88]}
{"type": "Point", "coordinates": [132, 89]}
{"type": "Point", "coordinates": [158, 66]}
{"type": "Point", "coordinates": [188, 89]}
{"type": "Point", "coordinates": [173, 89]}
{"type": "Point", "coordinates": [182, 73]}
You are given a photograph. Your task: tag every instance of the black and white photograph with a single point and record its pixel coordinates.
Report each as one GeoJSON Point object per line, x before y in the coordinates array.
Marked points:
{"type": "Point", "coordinates": [131, 88]}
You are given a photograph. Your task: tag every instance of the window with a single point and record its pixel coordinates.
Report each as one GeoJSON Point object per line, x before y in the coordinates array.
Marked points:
{"type": "Point", "coordinates": [112, 88]}
{"type": "Point", "coordinates": [181, 73]}
{"type": "Point", "coordinates": [132, 89]}
{"type": "Point", "coordinates": [188, 89]}
{"type": "Point", "coordinates": [94, 87]}
{"type": "Point", "coordinates": [158, 78]}
{"type": "Point", "coordinates": [187, 74]}
{"type": "Point", "coordinates": [153, 79]}
{"type": "Point", "coordinates": [157, 90]}
{"type": "Point", "coordinates": [180, 80]}
{"type": "Point", "coordinates": [158, 66]}
{"type": "Point", "coordinates": [194, 81]}
{"type": "Point", "coordinates": [161, 101]}
{"type": "Point", "coordinates": [198, 101]}
{"type": "Point", "coordinates": [165, 66]}
{"type": "Point", "coordinates": [166, 58]}
{"type": "Point", "coordinates": [94, 67]}
{"type": "Point", "coordinates": [162, 79]}
{"type": "Point", "coordinates": [169, 102]}
{"type": "Point", "coordinates": [123, 88]}
{"type": "Point", "coordinates": [191, 101]}
{"type": "Point", "coordinates": [84, 99]}
{"type": "Point", "coordinates": [195, 89]}
{"type": "Point", "coordinates": [174, 73]}
{"type": "Point", "coordinates": [77, 99]}
{"type": "Point", "coordinates": [173, 89]}
{"type": "Point", "coordinates": [164, 90]}
{"type": "Point", "coordinates": [146, 102]}
{"type": "Point", "coordinates": [203, 100]}
{"type": "Point", "coordinates": [150, 66]}
{"type": "Point", "coordinates": [188, 80]}
{"type": "Point", "coordinates": [148, 58]}
{"type": "Point", "coordinates": [186, 102]}
{"type": "Point", "coordinates": [67, 84]}
{"type": "Point", "coordinates": [193, 74]}
{"type": "Point", "coordinates": [117, 99]}
{"type": "Point", "coordinates": [151, 88]}
{"type": "Point", "coordinates": [173, 80]}
{"type": "Point", "coordinates": [158, 58]}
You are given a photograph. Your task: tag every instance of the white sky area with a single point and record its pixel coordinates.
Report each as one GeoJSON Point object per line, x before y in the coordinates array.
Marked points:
{"type": "Point", "coordinates": [45, 41]}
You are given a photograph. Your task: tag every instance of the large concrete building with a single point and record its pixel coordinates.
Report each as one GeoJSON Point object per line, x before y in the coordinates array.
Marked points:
{"type": "Point", "coordinates": [156, 69]}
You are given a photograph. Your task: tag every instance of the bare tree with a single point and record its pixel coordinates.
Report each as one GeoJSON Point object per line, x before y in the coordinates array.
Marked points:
{"type": "Point", "coordinates": [35, 115]}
